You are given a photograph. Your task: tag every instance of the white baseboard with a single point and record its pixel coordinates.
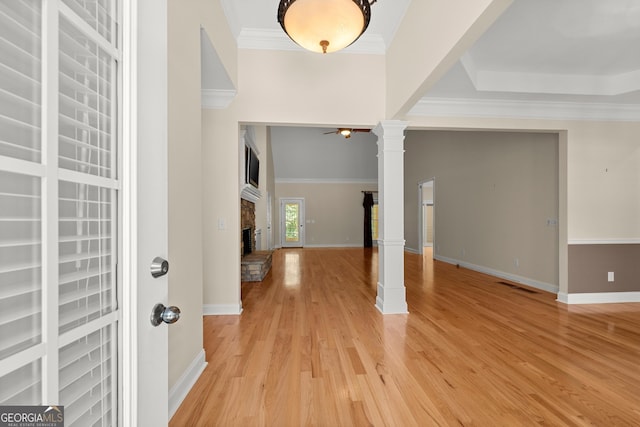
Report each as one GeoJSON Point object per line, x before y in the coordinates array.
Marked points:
{"type": "Point", "coordinates": [599, 297]}
{"type": "Point", "coordinates": [548, 287]}
{"type": "Point", "coordinates": [411, 250]}
{"type": "Point", "coordinates": [182, 387]}
{"type": "Point", "coordinates": [221, 309]}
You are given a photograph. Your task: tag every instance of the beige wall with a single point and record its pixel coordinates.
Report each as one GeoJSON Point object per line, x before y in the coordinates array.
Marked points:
{"type": "Point", "coordinates": [302, 88]}
{"type": "Point", "coordinates": [604, 181]}
{"type": "Point", "coordinates": [495, 192]}
{"type": "Point", "coordinates": [185, 184]}
{"type": "Point", "coordinates": [333, 211]}
{"type": "Point", "coordinates": [221, 204]}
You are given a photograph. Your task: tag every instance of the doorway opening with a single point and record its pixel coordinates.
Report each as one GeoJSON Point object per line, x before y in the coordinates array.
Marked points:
{"type": "Point", "coordinates": [426, 216]}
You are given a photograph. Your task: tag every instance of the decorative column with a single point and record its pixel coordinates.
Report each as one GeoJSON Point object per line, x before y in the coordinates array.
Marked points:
{"type": "Point", "coordinates": [391, 290]}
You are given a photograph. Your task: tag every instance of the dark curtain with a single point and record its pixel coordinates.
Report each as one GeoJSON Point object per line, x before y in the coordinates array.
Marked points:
{"type": "Point", "coordinates": [367, 203]}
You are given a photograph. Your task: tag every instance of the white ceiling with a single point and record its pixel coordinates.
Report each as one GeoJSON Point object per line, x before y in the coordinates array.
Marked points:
{"type": "Point", "coordinates": [583, 55]}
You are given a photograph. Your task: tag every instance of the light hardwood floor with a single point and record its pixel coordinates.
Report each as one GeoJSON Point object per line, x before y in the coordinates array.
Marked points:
{"type": "Point", "coordinates": [310, 348]}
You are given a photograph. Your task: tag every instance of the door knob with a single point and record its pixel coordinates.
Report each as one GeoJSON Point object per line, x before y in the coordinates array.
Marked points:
{"type": "Point", "coordinates": [164, 314]}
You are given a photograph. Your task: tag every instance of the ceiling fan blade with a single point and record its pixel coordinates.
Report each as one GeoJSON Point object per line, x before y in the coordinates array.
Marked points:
{"type": "Point", "coordinates": [327, 133]}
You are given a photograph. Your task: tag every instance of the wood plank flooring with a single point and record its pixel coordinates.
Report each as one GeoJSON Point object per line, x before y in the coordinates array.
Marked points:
{"type": "Point", "coordinates": [310, 349]}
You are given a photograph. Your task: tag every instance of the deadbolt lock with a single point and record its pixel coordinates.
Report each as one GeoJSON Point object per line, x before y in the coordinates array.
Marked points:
{"type": "Point", "coordinates": [159, 267]}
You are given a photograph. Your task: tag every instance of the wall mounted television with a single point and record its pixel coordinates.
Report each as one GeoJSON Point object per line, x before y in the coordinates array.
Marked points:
{"type": "Point", "coordinates": [251, 166]}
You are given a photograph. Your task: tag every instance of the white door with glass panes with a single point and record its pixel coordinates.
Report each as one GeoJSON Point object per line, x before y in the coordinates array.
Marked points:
{"type": "Point", "coordinates": [292, 222]}
{"type": "Point", "coordinates": [72, 179]}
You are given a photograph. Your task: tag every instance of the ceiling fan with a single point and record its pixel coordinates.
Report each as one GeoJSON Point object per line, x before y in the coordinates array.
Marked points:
{"type": "Point", "coordinates": [346, 132]}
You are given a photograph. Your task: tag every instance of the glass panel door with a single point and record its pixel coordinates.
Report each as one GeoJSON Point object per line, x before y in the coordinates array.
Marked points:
{"type": "Point", "coordinates": [292, 222]}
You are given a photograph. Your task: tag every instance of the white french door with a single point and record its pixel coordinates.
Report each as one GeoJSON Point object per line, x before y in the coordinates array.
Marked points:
{"type": "Point", "coordinates": [59, 195]}
{"type": "Point", "coordinates": [292, 222]}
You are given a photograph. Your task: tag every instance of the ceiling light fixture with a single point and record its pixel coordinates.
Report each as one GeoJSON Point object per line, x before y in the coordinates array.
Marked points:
{"type": "Point", "coordinates": [345, 132]}
{"type": "Point", "coordinates": [324, 26]}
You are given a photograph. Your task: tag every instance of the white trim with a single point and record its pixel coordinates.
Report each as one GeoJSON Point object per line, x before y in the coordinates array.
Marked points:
{"type": "Point", "coordinates": [631, 241]}
{"type": "Point", "coordinates": [83, 178]}
{"type": "Point", "coordinates": [412, 251]}
{"type": "Point", "coordinates": [221, 309]}
{"type": "Point", "coordinates": [50, 201]}
{"type": "Point", "coordinates": [250, 193]}
{"type": "Point", "coordinates": [109, 319]}
{"type": "Point", "coordinates": [83, 26]}
{"type": "Point", "coordinates": [23, 167]}
{"type": "Point", "coordinates": [326, 181]}
{"type": "Point", "coordinates": [391, 242]}
{"type": "Point", "coordinates": [129, 269]}
{"type": "Point", "coordinates": [18, 360]}
{"type": "Point", "coordinates": [277, 39]}
{"type": "Point", "coordinates": [473, 107]}
{"type": "Point", "coordinates": [217, 99]}
{"type": "Point", "coordinates": [186, 381]}
{"type": "Point", "coordinates": [599, 297]}
{"type": "Point", "coordinates": [547, 287]}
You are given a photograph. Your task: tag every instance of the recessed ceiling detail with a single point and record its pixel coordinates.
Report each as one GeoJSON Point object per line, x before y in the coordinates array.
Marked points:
{"type": "Point", "coordinates": [558, 83]}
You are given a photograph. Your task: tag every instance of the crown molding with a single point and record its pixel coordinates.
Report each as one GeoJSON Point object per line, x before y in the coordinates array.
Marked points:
{"type": "Point", "coordinates": [469, 107]}
{"type": "Point", "coordinates": [217, 99]}
{"type": "Point", "coordinates": [269, 39]}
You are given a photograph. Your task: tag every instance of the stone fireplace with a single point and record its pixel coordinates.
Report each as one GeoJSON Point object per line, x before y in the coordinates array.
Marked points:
{"type": "Point", "coordinates": [247, 227]}
{"type": "Point", "coordinates": [254, 263]}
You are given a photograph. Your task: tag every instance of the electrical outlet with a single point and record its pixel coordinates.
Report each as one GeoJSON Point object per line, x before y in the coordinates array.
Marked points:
{"type": "Point", "coordinates": [516, 262]}
{"type": "Point", "coordinates": [610, 276]}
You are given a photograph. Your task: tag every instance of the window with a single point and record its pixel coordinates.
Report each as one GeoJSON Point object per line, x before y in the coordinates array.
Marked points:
{"type": "Point", "coordinates": [59, 207]}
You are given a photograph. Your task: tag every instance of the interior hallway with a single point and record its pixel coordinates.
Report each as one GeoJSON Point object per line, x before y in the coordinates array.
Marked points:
{"type": "Point", "coordinates": [310, 348]}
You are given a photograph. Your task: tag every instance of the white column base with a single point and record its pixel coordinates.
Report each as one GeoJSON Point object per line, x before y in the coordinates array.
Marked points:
{"type": "Point", "coordinates": [391, 300]}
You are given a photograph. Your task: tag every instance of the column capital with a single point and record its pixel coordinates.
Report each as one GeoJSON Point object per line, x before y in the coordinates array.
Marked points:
{"type": "Point", "coordinates": [390, 128]}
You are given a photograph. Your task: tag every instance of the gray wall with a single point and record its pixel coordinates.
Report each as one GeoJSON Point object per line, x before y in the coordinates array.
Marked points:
{"type": "Point", "coordinates": [494, 194]}
{"type": "Point", "coordinates": [589, 265]}
{"type": "Point", "coordinates": [307, 153]}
